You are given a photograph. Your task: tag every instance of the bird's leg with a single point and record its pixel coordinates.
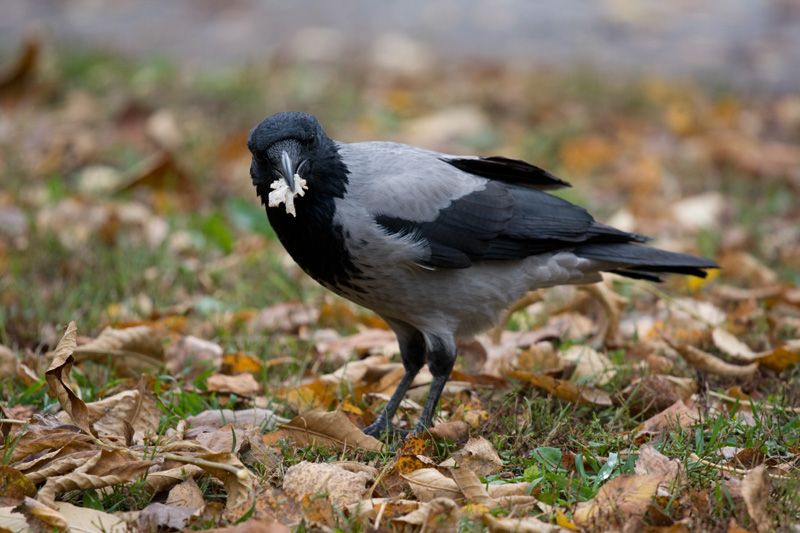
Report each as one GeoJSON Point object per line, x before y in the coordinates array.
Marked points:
{"type": "Point", "coordinates": [441, 358]}
{"type": "Point", "coordinates": [412, 351]}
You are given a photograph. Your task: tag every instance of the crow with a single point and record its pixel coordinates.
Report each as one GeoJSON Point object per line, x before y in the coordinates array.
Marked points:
{"type": "Point", "coordinates": [437, 245]}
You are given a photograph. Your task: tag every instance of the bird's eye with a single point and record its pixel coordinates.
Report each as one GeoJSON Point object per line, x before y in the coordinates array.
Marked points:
{"type": "Point", "coordinates": [312, 141]}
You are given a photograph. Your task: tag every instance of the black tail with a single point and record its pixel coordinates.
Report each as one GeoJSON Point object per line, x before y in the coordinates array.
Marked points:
{"type": "Point", "coordinates": [643, 262]}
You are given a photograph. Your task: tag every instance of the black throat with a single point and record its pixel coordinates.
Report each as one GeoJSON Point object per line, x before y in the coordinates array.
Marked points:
{"type": "Point", "coordinates": [312, 238]}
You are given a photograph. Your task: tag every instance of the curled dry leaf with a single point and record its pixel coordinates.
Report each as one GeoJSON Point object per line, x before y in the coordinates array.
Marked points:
{"type": "Point", "coordinates": [678, 414]}
{"type": "Point", "coordinates": [14, 485]}
{"type": "Point", "coordinates": [186, 494]}
{"type": "Point", "coordinates": [439, 514]}
{"type": "Point", "coordinates": [782, 357]}
{"type": "Point", "coordinates": [195, 354]}
{"type": "Point", "coordinates": [41, 517]}
{"type": "Point", "coordinates": [239, 487]}
{"type": "Point", "coordinates": [58, 379]}
{"type": "Point", "coordinates": [479, 456]}
{"type": "Point", "coordinates": [241, 418]}
{"type": "Point", "coordinates": [329, 429]}
{"type": "Point", "coordinates": [163, 517]}
{"type": "Point", "coordinates": [270, 505]}
{"type": "Point", "coordinates": [164, 479]}
{"type": "Point", "coordinates": [566, 390]}
{"type": "Point", "coordinates": [755, 490]}
{"type": "Point", "coordinates": [429, 484]}
{"type": "Point", "coordinates": [729, 344]}
{"type": "Point", "coordinates": [241, 384]}
{"type": "Point", "coordinates": [138, 408]}
{"type": "Point", "coordinates": [627, 495]}
{"type": "Point", "coordinates": [527, 524]}
{"type": "Point", "coordinates": [590, 365]}
{"type": "Point", "coordinates": [133, 350]}
{"type": "Point", "coordinates": [709, 363]}
{"type": "Point", "coordinates": [105, 469]}
{"type": "Point", "coordinates": [469, 484]}
{"type": "Point", "coordinates": [343, 486]}
{"type": "Point", "coordinates": [651, 461]}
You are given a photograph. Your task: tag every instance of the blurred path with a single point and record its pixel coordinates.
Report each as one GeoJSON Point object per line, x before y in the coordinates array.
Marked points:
{"type": "Point", "coordinates": [751, 43]}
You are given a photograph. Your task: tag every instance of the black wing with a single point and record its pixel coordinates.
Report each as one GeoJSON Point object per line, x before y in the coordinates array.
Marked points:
{"type": "Point", "coordinates": [509, 170]}
{"type": "Point", "coordinates": [504, 222]}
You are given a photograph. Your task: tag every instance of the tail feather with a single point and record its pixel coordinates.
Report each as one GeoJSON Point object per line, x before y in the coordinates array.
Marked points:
{"type": "Point", "coordinates": [643, 262]}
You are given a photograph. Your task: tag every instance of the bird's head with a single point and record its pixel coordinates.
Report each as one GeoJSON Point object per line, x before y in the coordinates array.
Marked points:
{"type": "Point", "coordinates": [285, 147]}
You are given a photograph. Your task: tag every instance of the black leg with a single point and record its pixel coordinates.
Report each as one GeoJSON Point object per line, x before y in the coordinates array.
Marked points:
{"type": "Point", "coordinates": [441, 358]}
{"type": "Point", "coordinates": [412, 351]}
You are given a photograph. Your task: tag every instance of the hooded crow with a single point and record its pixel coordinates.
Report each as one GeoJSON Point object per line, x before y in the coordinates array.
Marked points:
{"type": "Point", "coordinates": [438, 245]}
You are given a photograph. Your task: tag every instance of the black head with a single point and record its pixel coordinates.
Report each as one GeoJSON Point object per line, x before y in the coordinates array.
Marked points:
{"type": "Point", "coordinates": [286, 144]}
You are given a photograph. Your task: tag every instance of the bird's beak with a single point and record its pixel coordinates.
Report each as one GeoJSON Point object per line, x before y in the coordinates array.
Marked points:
{"type": "Point", "coordinates": [288, 168]}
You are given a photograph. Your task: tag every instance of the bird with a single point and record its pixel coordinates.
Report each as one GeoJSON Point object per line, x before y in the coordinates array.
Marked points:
{"type": "Point", "coordinates": [437, 245]}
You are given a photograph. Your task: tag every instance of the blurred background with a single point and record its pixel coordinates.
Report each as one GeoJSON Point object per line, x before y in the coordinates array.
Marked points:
{"type": "Point", "coordinates": [126, 194]}
{"type": "Point", "coordinates": [752, 43]}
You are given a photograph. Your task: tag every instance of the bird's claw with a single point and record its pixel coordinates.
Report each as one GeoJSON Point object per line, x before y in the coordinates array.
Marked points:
{"type": "Point", "coordinates": [378, 428]}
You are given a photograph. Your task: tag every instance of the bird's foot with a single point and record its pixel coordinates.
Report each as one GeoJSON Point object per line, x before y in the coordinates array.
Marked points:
{"type": "Point", "coordinates": [379, 428]}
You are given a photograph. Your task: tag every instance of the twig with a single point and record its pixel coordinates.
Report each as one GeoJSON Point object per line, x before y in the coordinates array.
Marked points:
{"type": "Point", "coordinates": [768, 406]}
{"type": "Point", "coordinates": [730, 469]}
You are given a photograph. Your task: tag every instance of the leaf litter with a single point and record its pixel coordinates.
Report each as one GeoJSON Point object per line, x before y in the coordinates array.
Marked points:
{"type": "Point", "coordinates": [205, 394]}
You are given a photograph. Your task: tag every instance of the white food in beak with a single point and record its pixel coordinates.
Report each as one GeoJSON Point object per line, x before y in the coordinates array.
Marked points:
{"type": "Point", "coordinates": [282, 194]}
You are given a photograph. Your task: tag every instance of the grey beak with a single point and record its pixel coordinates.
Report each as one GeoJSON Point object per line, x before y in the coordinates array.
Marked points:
{"type": "Point", "coordinates": [288, 168]}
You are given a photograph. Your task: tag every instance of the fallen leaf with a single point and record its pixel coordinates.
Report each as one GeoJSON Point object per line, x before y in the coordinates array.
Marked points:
{"type": "Point", "coordinates": [472, 488]}
{"type": "Point", "coordinates": [240, 384]}
{"type": "Point", "coordinates": [429, 484]}
{"type": "Point", "coordinates": [14, 485]}
{"type": "Point", "coordinates": [58, 379]}
{"type": "Point", "coordinates": [343, 487]}
{"type": "Point", "coordinates": [625, 495]}
{"type": "Point", "coordinates": [159, 517]}
{"type": "Point", "coordinates": [439, 514]}
{"type": "Point", "coordinates": [239, 486]}
{"type": "Point", "coordinates": [590, 365]}
{"type": "Point", "coordinates": [651, 461]}
{"type": "Point", "coordinates": [187, 494]}
{"type": "Point", "coordinates": [709, 363]}
{"type": "Point", "coordinates": [678, 414]}
{"type": "Point", "coordinates": [755, 490]}
{"type": "Point", "coordinates": [261, 418]}
{"type": "Point", "coordinates": [41, 517]}
{"type": "Point", "coordinates": [566, 390]}
{"type": "Point", "coordinates": [729, 344]}
{"type": "Point", "coordinates": [329, 429]}
{"type": "Point", "coordinates": [526, 524]}
{"type": "Point", "coordinates": [782, 357]}
{"type": "Point", "coordinates": [131, 351]}
{"type": "Point", "coordinates": [477, 455]}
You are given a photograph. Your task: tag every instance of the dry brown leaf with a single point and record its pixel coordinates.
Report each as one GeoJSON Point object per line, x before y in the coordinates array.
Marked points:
{"type": "Point", "coordinates": [678, 414]}
{"type": "Point", "coordinates": [472, 488]}
{"type": "Point", "coordinates": [755, 490]}
{"type": "Point", "coordinates": [270, 505]}
{"type": "Point", "coordinates": [241, 418]}
{"type": "Point", "coordinates": [164, 479]}
{"type": "Point", "coordinates": [240, 384]}
{"type": "Point", "coordinates": [651, 461]}
{"type": "Point", "coordinates": [14, 485]}
{"type": "Point", "coordinates": [59, 462]}
{"type": "Point", "coordinates": [163, 517]}
{"type": "Point", "coordinates": [526, 524]}
{"type": "Point", "coordinates": [626, 495]}
{"type": "Point", "coordinates": [649, 395]}
{"type": "Point", "coordinates": [286, 317]}
{"type": "Point", "coordinates": [132, 350]}
{"type": "Point", "coordinates": [429, 484]}
{"type": "Point", "coordinates": [709, 363]}
{"type": "Point", "coordinates": [105, 469]}
{"type": "Point", "coordinates": [253, 526]}
{"type": "Point", "coordinates": [41, 517]}
{"type": "Point", "coordinates": [782, 357]}
{"type": "Point", "coordinates": [343, 486]}
{"type": "Point", "coordinates": [729, 344]}
{"type": "Point", "coordinates": [194, 354]}
{"type": "Point", "coordinates": [58, 379]}
{"type": "Point", "coordinates": [15, 77]}
{"type": "Point", "coordinates": [186, 494]}
{"type": "Point", "coordinates": [137, 408]}
{"type": "Point", "coordinates": [566, 390]}
{"type": "Point", "coordinates": [238, 363]}
{"type": "Point", "coordinates": [590, 365]}
{"type": "Point", "coordinates": [329, 429]}
{"type": "Point", "coordinates": [479, 456]}
{"type": "Point", "coordinates": [239, 487]}
{"type": "Point", "coordinates": [319, 394]}
{"type": "Point", "coordinates": [439, 514]}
